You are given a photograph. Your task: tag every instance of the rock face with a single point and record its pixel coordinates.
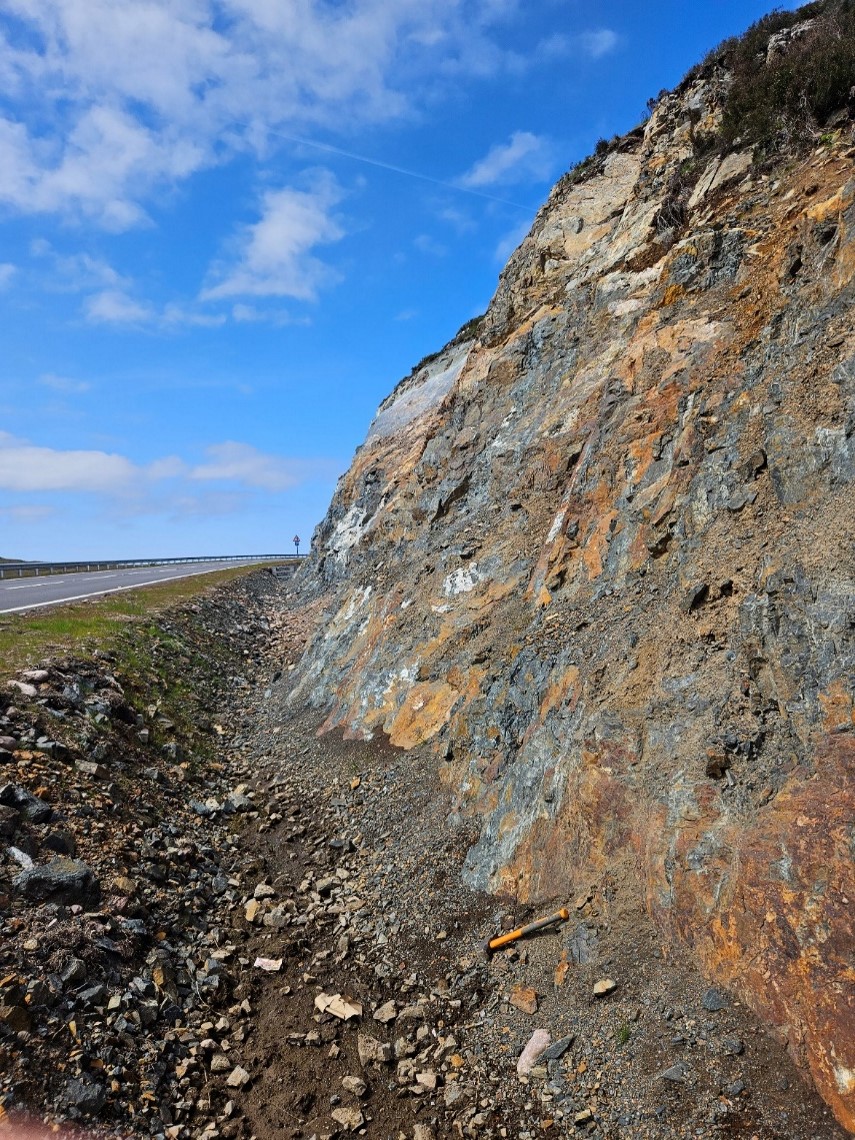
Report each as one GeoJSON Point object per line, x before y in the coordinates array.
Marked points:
{"type": "Point", "coordinates": [598, 553]}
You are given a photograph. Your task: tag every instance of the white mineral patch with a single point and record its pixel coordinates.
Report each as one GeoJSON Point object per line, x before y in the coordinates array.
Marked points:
{"type": "Point", "coordinates": [461, 581]}
{"type": "Point", "coordinates": [844, 1079]}
{"type": "Point", "coordinates": [556, 526]}
{"type": "Point", "coordinates": [347, 533]}
{"type": "Point", "coordinates": [356, 602]}
{"type": "Point", "coordinates": [425, 393]}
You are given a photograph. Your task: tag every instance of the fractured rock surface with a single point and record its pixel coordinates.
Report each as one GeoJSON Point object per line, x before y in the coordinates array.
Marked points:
{"type": "Point", "coordinates": [598, 555]}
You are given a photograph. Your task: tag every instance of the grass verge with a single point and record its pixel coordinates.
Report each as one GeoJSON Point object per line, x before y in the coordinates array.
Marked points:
{"type": "Point", "coordinates": [96, 623]}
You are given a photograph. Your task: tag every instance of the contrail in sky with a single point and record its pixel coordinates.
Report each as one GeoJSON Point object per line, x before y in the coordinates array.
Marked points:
{"type": "Point", "coordinates": [396, 169]}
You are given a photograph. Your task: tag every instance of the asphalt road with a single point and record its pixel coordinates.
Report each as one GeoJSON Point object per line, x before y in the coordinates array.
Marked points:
{"type": "Point", "coordinates": [17, 594]}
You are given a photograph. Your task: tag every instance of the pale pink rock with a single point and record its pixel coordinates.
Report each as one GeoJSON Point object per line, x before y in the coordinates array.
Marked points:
{"type": "Point", "coordinates": [539, 1041]}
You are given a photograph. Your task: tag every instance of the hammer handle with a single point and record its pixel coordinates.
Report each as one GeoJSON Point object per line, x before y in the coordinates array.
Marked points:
{"type": "Point", "coordinates": [522, 931]}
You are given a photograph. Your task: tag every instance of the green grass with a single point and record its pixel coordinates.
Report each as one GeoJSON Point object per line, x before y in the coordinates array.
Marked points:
{"type": "Point", "coordinates": [82, 627]}
{"type": "Point", "coordinates": [622, 1035]}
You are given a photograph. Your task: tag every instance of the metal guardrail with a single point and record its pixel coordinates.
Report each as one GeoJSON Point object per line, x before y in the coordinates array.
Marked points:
{"type": "Point", "coordinates": [37, 569]}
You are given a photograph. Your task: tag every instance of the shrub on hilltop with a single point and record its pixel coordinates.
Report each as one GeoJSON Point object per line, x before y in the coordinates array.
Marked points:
{"type": "Point", "coordinates": [784, 88]}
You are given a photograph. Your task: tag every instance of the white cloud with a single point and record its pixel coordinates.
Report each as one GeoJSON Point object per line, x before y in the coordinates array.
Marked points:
{"type": "Point", "coordinates": [79, 271]}
{"type": "Point", "coordinates": [7, 272]}
{"type": "Point", "coordinates": [179, 315]}
{"type": "Point", "coordinates": [595, 44]}
{"type": "Point", "coordinates": [24, 467]}
{"type": "Point", "coordinates": [244, 464]}
{"type": "Point", "coordinates": [114, 306]}
{"type": "Point", "coordinates": [28, 468]}
{"type": "Point", "coordinates": [276, 258]}
{"type": "Point", "coordinates": [599, 43]}
{"type": "Point", "coordinates": [251, 314]}
{"type": "Point", "coordinates": [426, 244]}
{"type": "Point", "coordinates": [118, 307]}
{"type": "Point", "coordinates": [460, 220]}
{"type": "Point", "coordinates": [109, 101]}
{"type": "Point", "coordinates": [64, 384]}
{"type": "Point", "coordinates": [510, 241]}
{"type": "Point", "coordinates": [525, 157]}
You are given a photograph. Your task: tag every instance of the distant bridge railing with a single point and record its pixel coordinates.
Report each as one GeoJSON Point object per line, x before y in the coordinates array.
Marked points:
{"type": "Point", "coordinates": [36, 569]}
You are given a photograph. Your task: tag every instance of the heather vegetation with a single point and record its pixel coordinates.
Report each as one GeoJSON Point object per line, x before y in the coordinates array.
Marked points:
{"type": "Point", "coordinates": [784, 91]}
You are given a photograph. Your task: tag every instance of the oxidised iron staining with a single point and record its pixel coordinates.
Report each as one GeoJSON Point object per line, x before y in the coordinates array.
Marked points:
{"type": "Point", "coordinates": [607, 570]}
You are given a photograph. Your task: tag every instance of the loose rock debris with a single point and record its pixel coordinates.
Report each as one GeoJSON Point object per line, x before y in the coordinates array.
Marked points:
{"type": "Point", "coordinates": [133, 995]}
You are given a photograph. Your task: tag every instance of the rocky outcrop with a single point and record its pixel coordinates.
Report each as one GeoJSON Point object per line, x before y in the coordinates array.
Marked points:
{"type": "Point", "coordinates": [598, 553]}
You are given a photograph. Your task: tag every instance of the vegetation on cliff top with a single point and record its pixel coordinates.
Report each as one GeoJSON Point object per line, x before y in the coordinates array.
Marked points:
{"type": "Point", "coordinates": [782, 103]}
{"type": "Point", "coordinates": [777, 104]}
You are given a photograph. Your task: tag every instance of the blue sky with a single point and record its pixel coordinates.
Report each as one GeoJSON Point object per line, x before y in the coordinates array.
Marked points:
{"type": "Point", "coordinates": [228, 228]}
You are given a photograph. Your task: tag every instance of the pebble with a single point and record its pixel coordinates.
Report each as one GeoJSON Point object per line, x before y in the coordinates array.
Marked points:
{"type": "Point", "coordinates": [350, 1118]}
{"type": "Point", "coordinates": [675, 1073]}
{"type": "Point", "coordinates": [714, 1000]}
{"type": "Point", "coordinates": [523, 998]}
{"type": "Point", "coordinates": [604, 986]}
{"type": "Point", "coordinates": [537, 1044]}
{"type": "Point", "coordinates": [238, 1078]}
{"type": "Point", "coordinates": [354, 1085]}
{"type": "Point", "coordinates": [558, 1048]}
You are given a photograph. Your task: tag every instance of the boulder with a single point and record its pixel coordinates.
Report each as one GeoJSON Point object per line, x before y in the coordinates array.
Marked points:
{"type": "Point", "coordinates": [65, 881]}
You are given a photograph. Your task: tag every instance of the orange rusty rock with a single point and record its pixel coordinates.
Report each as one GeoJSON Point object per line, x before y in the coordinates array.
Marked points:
{"type": "Point", "coordinates": [504, 575]}
{"type": "Point", "coordinates": [523, 998]}
{"type": "Point", "coordinates": [425, 711]}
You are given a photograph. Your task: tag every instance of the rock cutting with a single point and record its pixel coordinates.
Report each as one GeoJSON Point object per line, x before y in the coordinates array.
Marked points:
{"type": "Point", "coordinates": [577, 632]}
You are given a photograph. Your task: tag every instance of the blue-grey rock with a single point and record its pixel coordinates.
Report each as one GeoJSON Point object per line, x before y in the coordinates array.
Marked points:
{"type": "Point", "coordinates": [87, 1096]}
{"type": "Point", "coordinates": [30, 806]}
{"type": "Point", "coordinates": [64, 881]}
{"type": "Point", "coordinates": [558, 1048]}
{"type": "Point", "coordinates": [714, 1000]}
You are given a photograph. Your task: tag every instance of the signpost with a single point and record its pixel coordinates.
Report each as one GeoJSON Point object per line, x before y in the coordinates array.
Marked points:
{"type": "Point", "coordinates": [297, 544]}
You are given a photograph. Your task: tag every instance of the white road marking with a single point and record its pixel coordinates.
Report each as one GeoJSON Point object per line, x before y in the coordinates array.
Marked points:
{"type": "Point", "coordinates": [35, 585]}
{"type": "Point", "coordinates": [113, 590]}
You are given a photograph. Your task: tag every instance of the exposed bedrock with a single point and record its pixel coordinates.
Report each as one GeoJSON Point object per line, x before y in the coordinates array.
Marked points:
{"type": "Point", "coordinates": [599, 554]}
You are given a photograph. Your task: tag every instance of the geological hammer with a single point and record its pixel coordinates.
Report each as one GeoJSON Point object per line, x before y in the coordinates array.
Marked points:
{"type": "Point", "coordinates": [492, 944]}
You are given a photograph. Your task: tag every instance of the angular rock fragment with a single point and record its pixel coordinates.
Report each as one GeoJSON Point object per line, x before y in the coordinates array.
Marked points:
{"type": "Point", "coordinates": [31, 807]}
{"type": "Point", "coordinates": [537, 1045]}
{"type": "Point", "coordinates": [714, 1000]}
{"type": "Point", "coordinates": [385, 1013]}
{"type": "Point", "coordinates": [15, 1017]}
{"type": "Point", "coordinates": [523, 998]}
{"type": "Point", "coordinates": [356, 1086]}
{"type": "Point", "coordinates": [558, 1048]}
{"type": "Point", "coordinates": [238, 1078]}
{"type": "Point", "coordinates": [338, 1006]}
{"type": "Point", "coordinates": [349, 1118]}
{"type": "Point", "coordinates": [87, 1096]}
{"type": "Point", "coordinates": [373, 1052]}
{"type": "Point", "coordinates": [62, 881]}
